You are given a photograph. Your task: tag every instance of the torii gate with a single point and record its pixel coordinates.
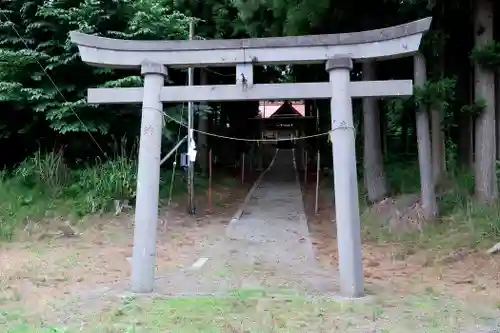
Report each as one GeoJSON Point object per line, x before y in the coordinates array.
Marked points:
{"type": "Point", "coordinates": [337, 51]}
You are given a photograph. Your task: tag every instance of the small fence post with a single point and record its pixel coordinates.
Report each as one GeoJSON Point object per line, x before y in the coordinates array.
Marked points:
{"type": "Point", "coordinates": [210, 180]}
{"type": "Point", "coordinates": [318, 163]}
{"type": "Point", "coordinates": [243, 168]}
{"type": "Point", "coordinates": [305, 168]}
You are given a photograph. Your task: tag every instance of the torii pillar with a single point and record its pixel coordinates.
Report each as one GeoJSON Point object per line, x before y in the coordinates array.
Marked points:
{"type": "Point", "coordinates": [345, 178]}
{"type": "Point", "coordinates": [148, 180]}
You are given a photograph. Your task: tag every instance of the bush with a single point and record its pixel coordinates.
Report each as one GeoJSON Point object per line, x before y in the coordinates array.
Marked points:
{"type": "Point", "coordinates": [103, 183]}
{"type": "Point", "coordinates": [19, 204]}
{"type": "Point", "coordinates": [44, 183]}
{"type": "Point", "coordinates": [48, 171]}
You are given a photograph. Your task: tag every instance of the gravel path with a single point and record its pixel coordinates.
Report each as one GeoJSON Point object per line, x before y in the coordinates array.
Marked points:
{"type": "Point", "coordinates": [268, 247]}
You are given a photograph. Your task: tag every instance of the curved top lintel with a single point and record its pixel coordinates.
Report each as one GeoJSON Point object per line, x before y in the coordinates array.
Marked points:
{"type": "Point", "coordinates": [392, 42]}
{"type": "Point", "coordinates": [368, 36]}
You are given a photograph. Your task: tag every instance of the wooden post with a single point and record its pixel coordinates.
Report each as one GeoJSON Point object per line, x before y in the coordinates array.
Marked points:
{"type": "Point", "coordinates": [305, 168]}
{"type": "Point", "coordinates": [318, 167]}
{"type": "Point", "coordinates": [210, 180]}
{"type": "Point", "coordinates": [243, 168]}
{"type": "Point", "coordinates": [252, 158]}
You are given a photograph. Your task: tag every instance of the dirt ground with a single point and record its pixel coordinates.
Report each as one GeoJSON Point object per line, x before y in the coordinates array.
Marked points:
{"type": "Point", "coordinates": [472, 276]}
{"type": "Point", "coordinates": [41, 272]}
{"type": "Point", "coordinates": [42, 278]}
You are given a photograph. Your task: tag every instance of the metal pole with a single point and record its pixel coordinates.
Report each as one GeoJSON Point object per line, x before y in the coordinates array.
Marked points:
{"type": "Point", "coordinates": [191, 208]}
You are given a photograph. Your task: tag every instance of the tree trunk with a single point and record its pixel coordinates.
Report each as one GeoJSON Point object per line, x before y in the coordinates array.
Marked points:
{"type": "Point", "coordinates": [458, 51]}
{"type": "Point", "coordinates": [443, 152]}
{"type": "Point", "coordinates": [203, 126]}
{"type": "Point", "coordinates": [429, 203]}
{"type": "Point", "coordinates": [438, 135]}
{"type": "Point", "coordinates": [375, 179]}
{"type": "Point", "coordinates": [497, 113]}
{"type": "Point", "coordinates": [465, 120]}
{"type": "Point", "coordinates": [484, 89]}
{"type": "Point", "coordinates": [383, 130]}
{"type": "Point", "coordinates": [496, 34]}
{"type": "Point", "coordinates": [438, 165]}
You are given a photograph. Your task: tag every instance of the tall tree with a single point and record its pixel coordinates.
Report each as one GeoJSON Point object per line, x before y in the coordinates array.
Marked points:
{"type": "Point", "coordinates": [427, 188]}
{"type": "Point", "coordinates": [484, 90]}
{"type": "Point", "coordinates": [375, 179]}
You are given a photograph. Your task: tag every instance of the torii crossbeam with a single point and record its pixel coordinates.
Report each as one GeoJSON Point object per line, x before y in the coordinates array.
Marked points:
{"type": "Point", "coordinates": [337, 51]}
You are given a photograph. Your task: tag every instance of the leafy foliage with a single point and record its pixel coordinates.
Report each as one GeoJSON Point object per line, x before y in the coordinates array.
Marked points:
{"type": "Point", "coordinates": [282, 16]}
{"type": "Point", "coordinates": [438, 94]}
{"type": "Point", "coordinates": [487, 55]}
{"type": "Point", "coordinates": [40, 69]}
{"type": "Point", "coordinates": [474, 108]}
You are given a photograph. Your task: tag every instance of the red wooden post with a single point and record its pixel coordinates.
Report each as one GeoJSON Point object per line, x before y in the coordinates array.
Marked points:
{"type": "Point", "coordinates": [318, 168]}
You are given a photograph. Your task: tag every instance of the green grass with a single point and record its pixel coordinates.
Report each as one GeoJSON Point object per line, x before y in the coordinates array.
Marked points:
{"type": "Point", "coordinates": [43, 186]}
{"type": "Point", "coordinates": [264, 312]}
{"type": "Point", "coordinates": [260, 311]}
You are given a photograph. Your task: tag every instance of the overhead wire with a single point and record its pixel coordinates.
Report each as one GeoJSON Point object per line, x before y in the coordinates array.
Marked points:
{"type": "Point", "coordinates": [53, 83]}
{"type": "Point", "coordinates": [164, 114]}
{"type": "Point", "coordinates": [217, 73]}
{"type": "Point", "coordinates": [181, 123]}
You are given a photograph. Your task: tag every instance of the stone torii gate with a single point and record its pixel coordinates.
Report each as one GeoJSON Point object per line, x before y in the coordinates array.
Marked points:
{"type": "Point", "coordinates": [337, 51]}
